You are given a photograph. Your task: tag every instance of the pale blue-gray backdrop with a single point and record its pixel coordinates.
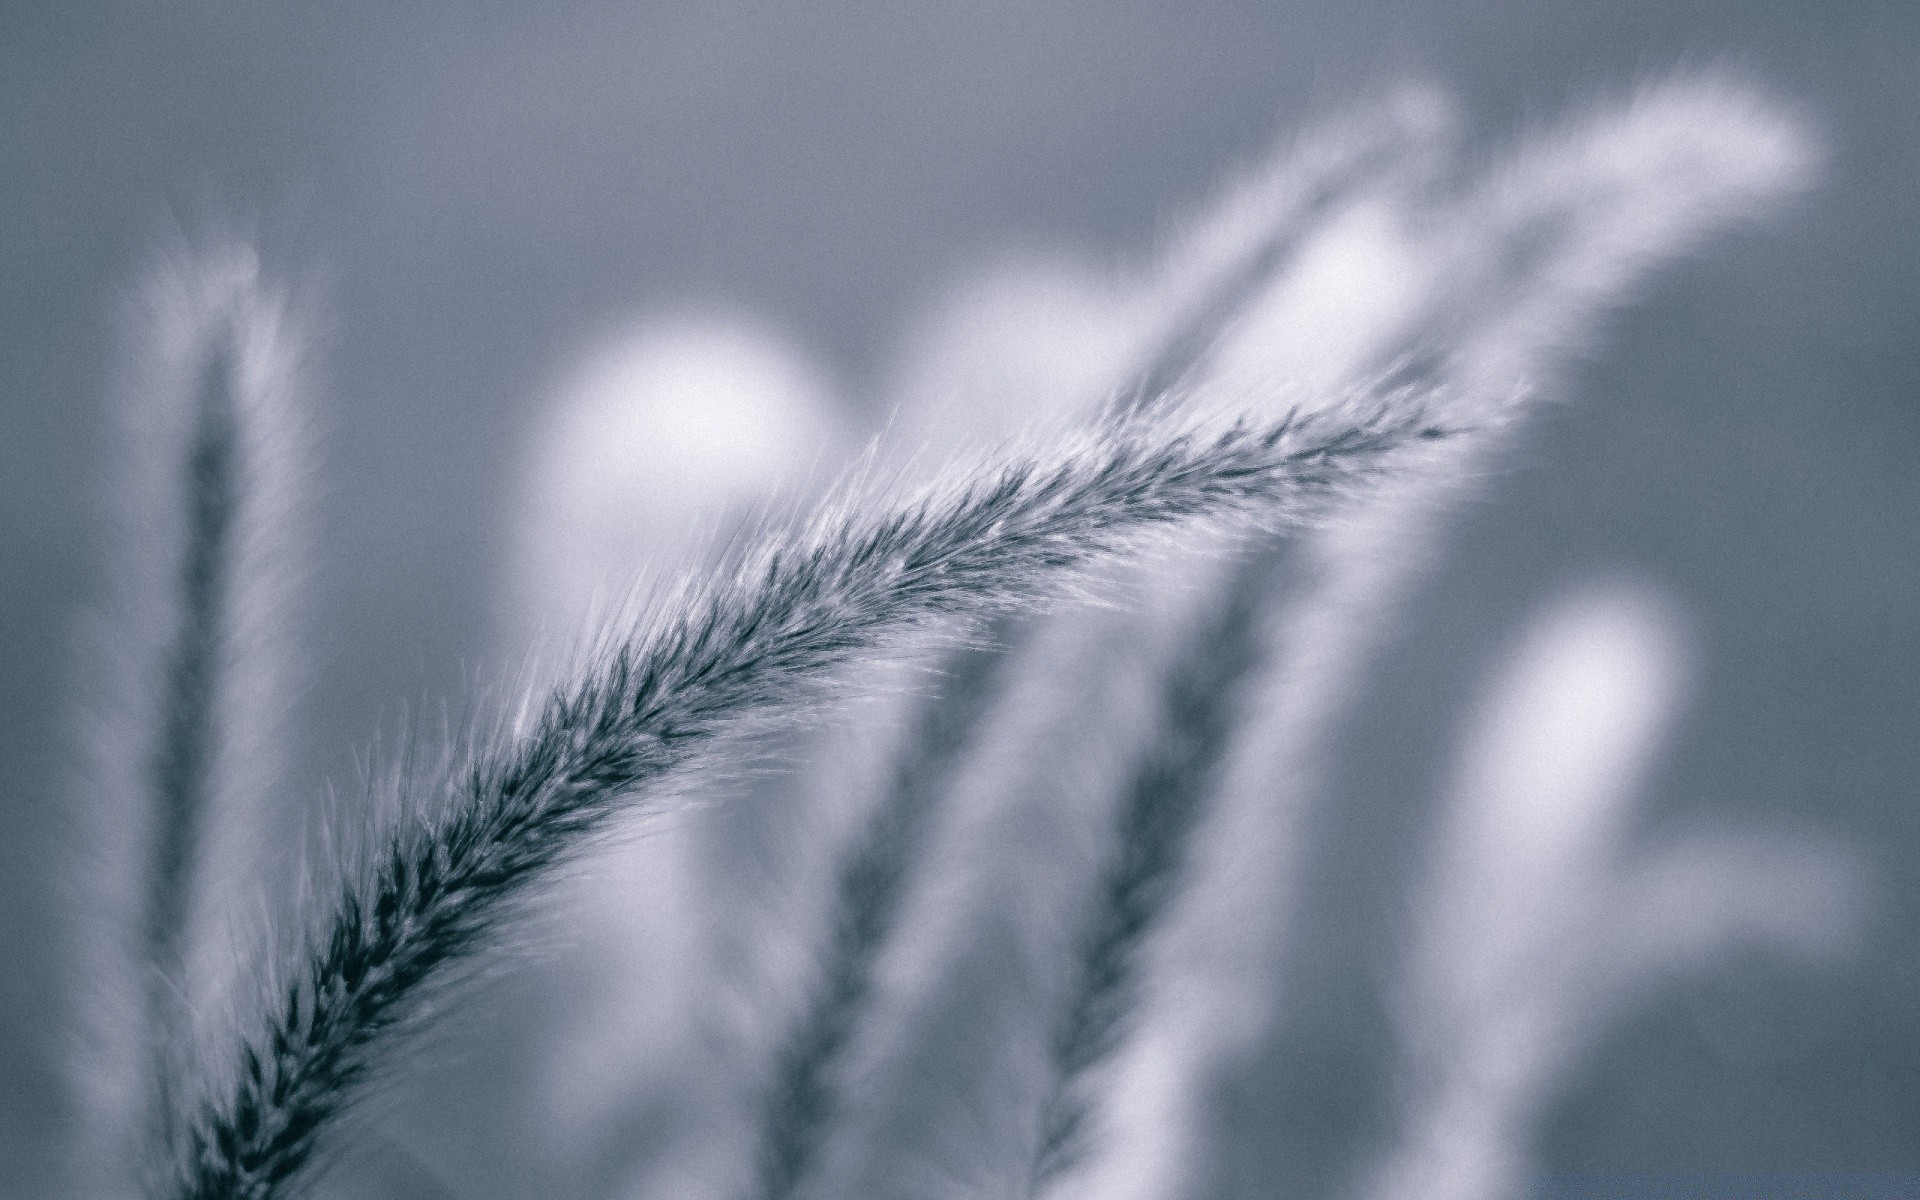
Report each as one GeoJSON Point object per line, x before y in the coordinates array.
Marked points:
{"type": "Point", "coordinates": [466, 186]}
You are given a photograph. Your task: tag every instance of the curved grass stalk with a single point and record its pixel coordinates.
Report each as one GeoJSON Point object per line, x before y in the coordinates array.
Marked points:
{"type": "Point", "coordinates": [436, 889]}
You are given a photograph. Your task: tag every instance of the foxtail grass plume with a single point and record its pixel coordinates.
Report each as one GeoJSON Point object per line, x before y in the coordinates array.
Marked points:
{"type": "Point", "coordinates": [412, 909]}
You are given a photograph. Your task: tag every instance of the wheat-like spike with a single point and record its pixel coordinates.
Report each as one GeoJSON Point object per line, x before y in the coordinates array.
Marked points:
{"type": "Point", "coordinates": [748, 649]}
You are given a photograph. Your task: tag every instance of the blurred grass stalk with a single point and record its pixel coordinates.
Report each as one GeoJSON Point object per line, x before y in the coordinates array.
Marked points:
{"type": "Point", "coordinates": [186, 723]}
{"type": "Point", "coordinates": [1537, 927]}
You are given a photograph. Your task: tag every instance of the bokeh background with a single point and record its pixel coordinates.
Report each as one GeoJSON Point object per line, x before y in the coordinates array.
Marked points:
{"type": "Point", "coordinates": [466, 195]}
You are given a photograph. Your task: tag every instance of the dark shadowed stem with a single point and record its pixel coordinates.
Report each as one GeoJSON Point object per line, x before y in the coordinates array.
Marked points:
{"type": "Point", "coordinates": [867, 899]}
{"type": "Point", "coordinates": [1166, 793]}
{"type": "Point", "coordinates": [189, 702]}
